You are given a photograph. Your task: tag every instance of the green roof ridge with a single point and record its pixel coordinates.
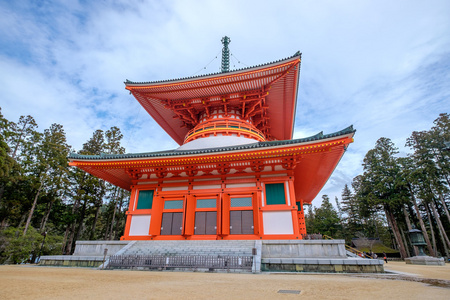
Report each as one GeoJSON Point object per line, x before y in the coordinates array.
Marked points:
{"type": "Point", "coordinates": [298, 53]}
{"type": "Point", "coordinates": [316, 137]}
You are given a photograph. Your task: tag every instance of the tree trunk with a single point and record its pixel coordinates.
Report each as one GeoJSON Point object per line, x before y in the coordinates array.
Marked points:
{"type": "Point", "coordinates": [430, 221]}
{"type": "Point", "coordinates": [110, 233]}
{"type": "Point", "coordinates": [22, 220]}
{"type": "Point", "coordinates": [444, 206]}
{"type": "Point", "coordinates": [92, 235]}
{"type": "Point", "coordinates": [396, 231]}
{"type": "Point", "coordinates": [19, 140]}
{"type": "Point", "coordinates": [45, 218]}
{"type": "Point", "coordinates": [74, 224]}
{"type": "Point", "coordinates": [120, 215]}
{"type": "Point", "coordinates": [408, 225]}
{"type": "Point", "coordinates": [80, 223]}
{"type": "Point", "coordinates": [441, 230]}
{"type": "Point", "coordinates": [76, 204]}
{"type": "Point", "coordinates": [3, 224]}
{"type": "Point", "coordinates": [405, 242]}
{"type": "Point", "coordinates": [422, 226]}
{"type": "Point", "coordinates": [110, 230]}
{"type": "Point", "coordinates": [71, 238]}
{"type": "Point", "coordinates": [66, 234]}
{"type": "Point", "coordinates": [2, 190]}
{"type": "Point", "coordinates": [27, 224]}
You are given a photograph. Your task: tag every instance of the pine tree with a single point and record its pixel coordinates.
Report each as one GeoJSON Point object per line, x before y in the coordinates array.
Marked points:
{"type": "Point", "coordinates": [383, 185]}
{"type": "Point", "coordinates": [326, 219]}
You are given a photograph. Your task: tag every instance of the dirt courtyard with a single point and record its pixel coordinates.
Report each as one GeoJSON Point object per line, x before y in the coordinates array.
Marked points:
{"type": "Point", "coordinates": [34, 282]}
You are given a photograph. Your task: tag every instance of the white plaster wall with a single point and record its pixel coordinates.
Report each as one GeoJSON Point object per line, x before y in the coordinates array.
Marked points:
{"type": "Point", "coordinates": [174, 188]}
{"type": "Point", "coordinates": [140, 225]}
{"type": "Point", "coordinates": [174, 181]}
{"type": "Point", "coordinates": [274, 175]}
{"type": "Point", "coordinates": [206, 179]}
{"type": "Point", "coordinates": [205, 187]}
{"type": "Point", "coordinates": [241, 185]}
{"type": "Point", "coordinates": [279, 168]}
{"type": "Point", "coordinates": [278, 222]}
{"type": "Point", "coordinates": [216, 141]}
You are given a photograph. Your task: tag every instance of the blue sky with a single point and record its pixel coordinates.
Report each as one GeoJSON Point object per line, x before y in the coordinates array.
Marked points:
{"type": "Point", "coordinates": [383, 66]}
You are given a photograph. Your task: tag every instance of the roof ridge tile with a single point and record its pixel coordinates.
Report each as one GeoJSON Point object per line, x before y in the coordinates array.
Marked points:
{"type": "Point", "coordinates": [298, 53]}
{"type": "Point", "coordinates": [318, 136]}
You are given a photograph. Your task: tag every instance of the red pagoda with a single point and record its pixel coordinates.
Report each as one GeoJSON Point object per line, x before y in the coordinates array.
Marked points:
{"type": "Point", "coordinates": [237, 174]}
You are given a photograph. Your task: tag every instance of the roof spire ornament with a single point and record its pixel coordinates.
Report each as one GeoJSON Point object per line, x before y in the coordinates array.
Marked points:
{"type": "Point", "coordinates": [225, 55]}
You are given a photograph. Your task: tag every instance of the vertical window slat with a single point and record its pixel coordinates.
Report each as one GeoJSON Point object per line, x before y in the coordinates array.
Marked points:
{"type": "Point", "coordinates": [275, 194]}
{"type": "Point", "coordinates": [145, 200]}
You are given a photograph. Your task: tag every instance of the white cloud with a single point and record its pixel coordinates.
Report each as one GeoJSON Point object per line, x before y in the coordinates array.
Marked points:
{"type": "Point", "coordinates": [381, 65]}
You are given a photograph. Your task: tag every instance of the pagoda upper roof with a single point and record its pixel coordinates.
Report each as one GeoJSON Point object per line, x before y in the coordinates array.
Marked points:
{"type": "Point", "coordinates": [275, 82]}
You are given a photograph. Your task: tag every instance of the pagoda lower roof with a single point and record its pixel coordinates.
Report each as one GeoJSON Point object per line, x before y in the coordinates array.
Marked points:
{"type": "Point", "coordinates": [317, 156]}
{"type": "Point", "coordinates": [317, 137]}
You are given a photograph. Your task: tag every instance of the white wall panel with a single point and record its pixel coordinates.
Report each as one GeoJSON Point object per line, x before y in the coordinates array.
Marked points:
{"type": "Point", "coordinates": [241, 185]}
{"type": "Point", "coordinates": [278, 222]}
{"type": "Point", "coordinates": [206, 187]}
{"type": "Point", "coordinates": [174, 188]}
{"type": "Point", "coordinates": [140, 224]}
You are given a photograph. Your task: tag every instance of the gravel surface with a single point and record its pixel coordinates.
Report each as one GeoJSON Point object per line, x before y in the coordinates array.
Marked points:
{"type": "Point", "coordinates": [34, 282]}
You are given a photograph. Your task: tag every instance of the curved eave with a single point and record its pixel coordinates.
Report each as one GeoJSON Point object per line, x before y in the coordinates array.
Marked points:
{"type": "Point", "coordinates": [319, 156]}
{"type": "Point", "coordinates": [282, 78]}
{"type": "Point", "coordinates": [313, 172]}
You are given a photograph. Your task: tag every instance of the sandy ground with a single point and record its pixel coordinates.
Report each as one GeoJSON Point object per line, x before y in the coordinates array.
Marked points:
{"type": "Point", "coordinates": [436, 272]}
{"type": "Point", "coordinates": [34, 282]}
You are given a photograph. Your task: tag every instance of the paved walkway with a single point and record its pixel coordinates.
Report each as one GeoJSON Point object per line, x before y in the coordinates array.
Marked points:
{"type": "Point", "coordinates": [34, 282]}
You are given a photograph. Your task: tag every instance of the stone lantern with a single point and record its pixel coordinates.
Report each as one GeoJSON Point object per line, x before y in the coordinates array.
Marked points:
{"type": "Point", "coordinates": [417, 240]}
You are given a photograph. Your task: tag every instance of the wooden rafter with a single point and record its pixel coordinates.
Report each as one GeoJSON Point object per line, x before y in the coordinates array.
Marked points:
{"type": "Point", "coordinates": [280, 76]}
{"type": "Point", "coordinates": [251, 109]}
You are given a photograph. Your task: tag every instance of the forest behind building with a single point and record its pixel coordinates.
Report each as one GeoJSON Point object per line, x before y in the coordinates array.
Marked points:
{"type": "Point", "coordinates": [40, 193]}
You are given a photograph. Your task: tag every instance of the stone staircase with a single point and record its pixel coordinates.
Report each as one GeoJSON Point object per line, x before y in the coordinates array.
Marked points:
{"type": "Point", "coordinates": [352, 255]}
{"type": "Point", "coordinates": [229, 255]}
{"type": "Point", "coordinates": [192, 247]}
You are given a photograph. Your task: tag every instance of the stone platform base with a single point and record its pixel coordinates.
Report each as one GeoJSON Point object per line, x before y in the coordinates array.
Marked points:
{"type": "Point", "coordinates": [87, 254]}
{"type": "Point", "coordinates": [425, 260]}
{"type": "Point", "coordinates": [71, 261]}
{"type": "Point", "coordinates": [324, 256]}
{"type": "Point", "coordinates": [323, 265]}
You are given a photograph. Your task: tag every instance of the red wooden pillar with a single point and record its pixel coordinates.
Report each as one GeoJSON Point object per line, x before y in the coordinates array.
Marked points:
{"type": "Point", "coordinates": [225, 214]}
{"type": "Point", "coordinates": [189, 215]}
{"type": "Point", "coordinates": [131, 205]}
{"type": "Point", "coordinates": [295, 222]}
{"type": "Point", "coordinates": [256, 200]}
{"type": "Point", "coordinates": [301, 218]}
{"type": "Point", "coordinates": [155, 222]}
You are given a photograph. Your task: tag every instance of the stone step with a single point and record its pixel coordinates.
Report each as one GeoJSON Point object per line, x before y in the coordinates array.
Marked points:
{"type": "Point", "coordinates": [213, 248]}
